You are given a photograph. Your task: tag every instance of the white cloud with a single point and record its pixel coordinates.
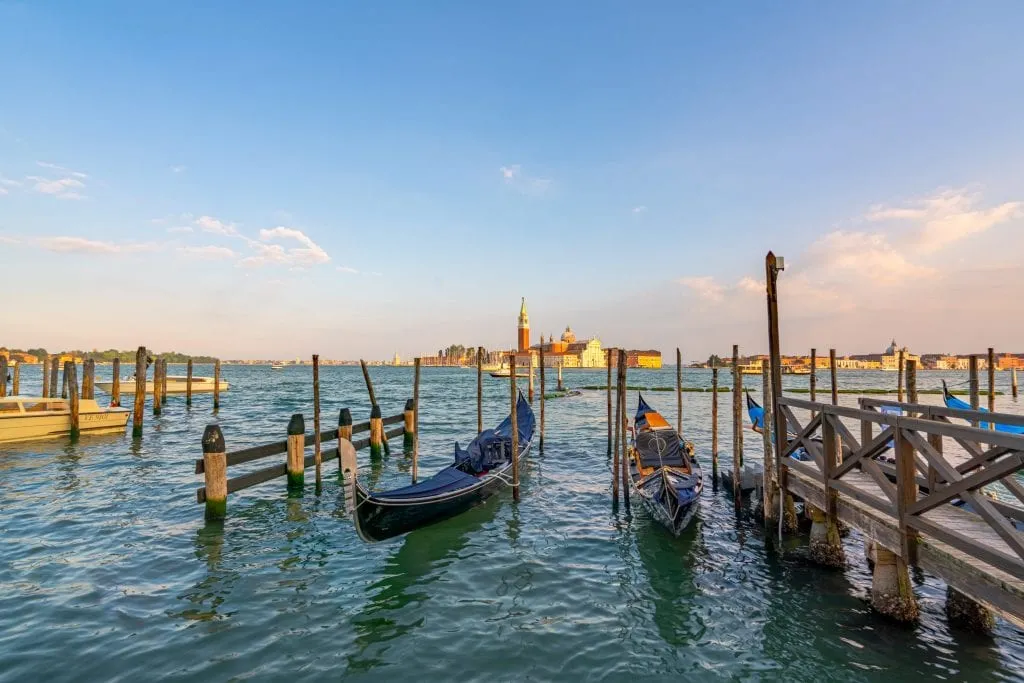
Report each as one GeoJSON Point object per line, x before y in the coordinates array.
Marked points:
{"type": "Point", "coordinates": [212, 225]}
{"type": "Point", "coordinates": [514, 177]}
{"type": "Point", "coordinates": [309, 254]}
{"type": "Point", "coordinates": [180, 229]}
{"type": "Point", "coordinates": [210, 252]}
{"type": "Point", "coordinates": [639, 209]}
{"type": "Point", "coordinates": [7, 182]}
{"type": "Point", "coordinates": [510, 172]}
{"type": "Point", "coordinates": [346, 269]}
{"type": "Point", "coordinates": [946, 217]}
{"type": "Point", "coordinates": [750, 285]}
{"type": "Point", "coordinates": [9, 240]}
{"type": "Point", "coordinates": [62, 169]}
{"type": "Point", "coordinates": [861, 256]}
{"type": "Point", "coordinates": [179, 168]}
{"type": "Point", "coordinates": [704, 286]}
{"type": "Point", "coordinates": [87, 246]}
{"type": "Point", "coordinates": [62, 188]}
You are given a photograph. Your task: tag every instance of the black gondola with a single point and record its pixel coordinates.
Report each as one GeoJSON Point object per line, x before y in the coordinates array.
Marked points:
{"type": "Point", "coordinates": [663, 471]}
{"type": "Point", "coordinates": [479, 471]}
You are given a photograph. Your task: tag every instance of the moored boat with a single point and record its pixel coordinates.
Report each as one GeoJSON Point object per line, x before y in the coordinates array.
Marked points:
{"type": "Point", "coordinates": [276, 366]}
{"type": "Point", "coordinates": [33, 418]}
{"type": "Point", "coordinates": [176, 384]}
{"type": "Point", "coordinates": [952, 401]}
{"type": "Point", "coordinates": [663, 471]}
{"type": "Point", "coordinates": [478, 472]}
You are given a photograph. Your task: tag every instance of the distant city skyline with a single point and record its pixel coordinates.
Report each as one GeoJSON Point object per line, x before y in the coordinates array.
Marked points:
{"type": "Point", "coordinates": [393, 179]}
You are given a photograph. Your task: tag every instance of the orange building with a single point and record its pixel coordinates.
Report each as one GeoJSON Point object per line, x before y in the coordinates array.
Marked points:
{"type": "Point", "coordinates": [524, 327]}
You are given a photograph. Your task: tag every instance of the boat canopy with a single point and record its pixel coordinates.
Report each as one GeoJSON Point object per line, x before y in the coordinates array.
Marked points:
{"type": "Point", "coordinates": [448, 479]}
{"type": "Point", "coordinates": [952, 401]}
{"type": "Point", "coordinates": [656, 442]}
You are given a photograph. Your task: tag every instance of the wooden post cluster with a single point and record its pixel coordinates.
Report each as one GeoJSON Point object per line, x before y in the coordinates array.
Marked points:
{"type": "Point", "coordinates": [317, 457]}
{"type": "Point", "coordinates": [376, 432]}
{"type": "Point", "coordinates": [608, 387]}
{"type": "Point", "coordinates": [140, 391]}
{"type": "Point", "coordinates": [46, 376]}
{"type": "Point", "coordinates": [115, 383]}
{"type": "Point", "coordinates": [826, 546]}
{"type": "Point", "coordinates": [416, 413]}
{"type": "Point", "coordinates": [296, 463]}
{"type": "Point", "coordinates": [714, 425]}
{"type": "Point", "coordinates": [991, 383]}
{"type": "Point", "coordinates": [479, 388]}
{"type": "Point", "coordinates": [216, 384]}
{"type": "Point", "coordinates": [188, 383]}
{"type": "Point", "coordinates": [16, 380]}
{"type": "Point", "coordinates": [514, 416]}
{"type": "Point", "coordinates": [157, 385]}
{"type": "Point", "coordinates": [3, 376]}
{"type": "Point", "coordinates": [623, 387]}
{"type": "Point", "coordinates": [542, 388]}
{"type": "Point", "coordinates": [70, 374]}
{"type": "Point", "coordinates": [679, 392]}
{"type": "Point", "coordinates": [737, 425]}
{"type": "Point", "coordinates": [54, 367]}
{"type": "Point", "coordinates": [215, 471]}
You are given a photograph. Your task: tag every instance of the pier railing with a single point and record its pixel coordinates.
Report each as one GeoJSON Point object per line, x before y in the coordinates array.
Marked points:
{"type": "Point", "coordinates": [913, 484]}
{"type": "Point", "coordinates": [215, 461]}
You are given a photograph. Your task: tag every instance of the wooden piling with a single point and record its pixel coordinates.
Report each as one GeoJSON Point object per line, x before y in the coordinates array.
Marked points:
{"type": "Point", "coordinates": [16, 380]}
{"type": "Point", "coordinates": [416, 417]}
{"type": "Point", "coordinates": [140, 391]}
{"type": "Point", "coordinates": [972, 366]}
{"type": "Point", "coordinates": [70, 373]}
{"type": "Point", "coordinates": [618, 428]}
{"type": "Point", "coordinates": [46, 377]}
{"type": "Point", "coordinates": [373, 402]}
{"type": "Point", "coordinates": [832, 376]}
{"type": "Point", "coordinates": [3, 376]}
{"type": "Point", "coordinates": [899, 377]}
{"type": "Point", "coordinates": [296, 463]}
{"type": "Point", "coordinates": [826, 546]}
{"type": "Point", "coordinates": [542, 397]}
{"type": "Point", "coordinates": [771, 268]}
{"type": "Point", "coordinates": [157, 383]}
{"type": "Point", "coordinates": [623, 382]}
{"type": "Point", "coordinates": [345, 434]}
{"type": "Point", "coordinates": [115, 383]}
{"type": "Point", "coordinates": [479, 389]}
{"type": "Point", "coordinates": [188, 383]}
{"type": "Point", "coordinates": [679, 392]}
{"type": "Point", "coordinates": [514, 415]}
{"type": "Point", "coordinates": [163, 381]}
{"type": "Point", "coordinates": [766, 437]}
{"type": "Point", "coordinates": [216, 384]}
{"type": "Point", "coordinates": [530, 389]}
{"type": "Point", "coordinates": [737, 425]}
{"type": "Point", "coordinates": [54, 368]}
{"type": "Point", "coordinates": [814, 375]}
{"type": "Point", "coordinates": [608, 387]}
{"type": "Point", "coordinates": [409, 424]}
{"type": "Point", "coordinates": [215, 471]}
{"type": "Point", "coordinates": [89, 379]}
{"type": "Point", "coordinates": [912, 380]}
{"type": "Point", "coordinates": [991, 383]}
{"type": "Point", "coordinates": [1013, 381]}
{"type": "Point", "coordinates": [317, 456]}
{"type": "Point", "coordinates": [561, 387]}
{"type": "Point", "coordinates": [64, 381]}
{"type": "Point", "coordinates": [376, 432]}
{"type": "Point", "coordinates": [714, 425]}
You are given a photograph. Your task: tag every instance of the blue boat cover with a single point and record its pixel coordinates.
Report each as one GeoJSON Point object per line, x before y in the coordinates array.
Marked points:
{"type": "Point", "coordinates": [448, 479]}
{"type": "Point", "coordinates": [958, 404]}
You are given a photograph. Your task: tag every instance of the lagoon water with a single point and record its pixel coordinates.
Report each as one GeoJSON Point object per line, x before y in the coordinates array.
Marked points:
{"type": "Point", "coordinates": [108, 571]}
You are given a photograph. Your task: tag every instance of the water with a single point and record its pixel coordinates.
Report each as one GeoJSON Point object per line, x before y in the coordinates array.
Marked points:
{"type": "Point", "coordinates": [108, 572]}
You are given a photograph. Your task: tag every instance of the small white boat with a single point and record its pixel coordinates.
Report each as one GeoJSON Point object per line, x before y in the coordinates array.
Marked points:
{"type": "Point", "coordinates": [32, 418]}
{"type": "Point", "coordinates": [277, 366]}
{"type": "Point", "coordinates": [176, 384]}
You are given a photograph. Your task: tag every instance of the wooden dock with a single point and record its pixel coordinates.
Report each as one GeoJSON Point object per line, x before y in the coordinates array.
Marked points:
{"type": "Point", "coordinates": [896, 487]}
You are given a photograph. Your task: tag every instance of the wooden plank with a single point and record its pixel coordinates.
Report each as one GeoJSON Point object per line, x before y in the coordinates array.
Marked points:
{"type": "Point", "coordinates": [883, 482]}
{"type": "Point", "coordinates": [937, 411]}
{"type": "Point", "coordinates": [954, 489]}
{"type": "Point", "coordinates": [978, 551]}
{"type": "Point", "coordinates": [798, 440]}
{"type": "Point", "coordinates": [879, 444]}
{"type": "Point", "coordinates": [975, 434]}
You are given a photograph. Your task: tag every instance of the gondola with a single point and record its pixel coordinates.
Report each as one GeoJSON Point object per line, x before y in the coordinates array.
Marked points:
{"type": "Point", "coordinates": [663, 471]}
{"type": "Point", "coordinates": [952, 401]}
{"type": "Point", "coordinates": [478, 472]}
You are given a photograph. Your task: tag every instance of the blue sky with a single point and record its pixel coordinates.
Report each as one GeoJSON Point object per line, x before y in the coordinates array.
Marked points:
{"type": "Point", "coordinates": [207, 179]}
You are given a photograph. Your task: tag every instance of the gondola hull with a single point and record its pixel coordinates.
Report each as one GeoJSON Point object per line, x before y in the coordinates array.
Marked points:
{"type": "Point", "coordinates": [378, 519]}
{"type": "Point", "coordinates": [664, 507]}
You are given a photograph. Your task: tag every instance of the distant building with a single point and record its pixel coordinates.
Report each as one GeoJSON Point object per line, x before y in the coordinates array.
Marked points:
{"type": "Point", "coordinates": [891, 358]}
{"type": "Point", "coordinates": [524, 327]}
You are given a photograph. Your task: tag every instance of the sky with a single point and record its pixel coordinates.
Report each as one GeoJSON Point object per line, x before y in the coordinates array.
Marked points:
{"type": "Point", "coordinates": [272, 180]}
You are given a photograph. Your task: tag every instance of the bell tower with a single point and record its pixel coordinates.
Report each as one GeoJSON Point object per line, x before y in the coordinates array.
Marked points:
{"type": "Point", "coordinates": [524, 327]}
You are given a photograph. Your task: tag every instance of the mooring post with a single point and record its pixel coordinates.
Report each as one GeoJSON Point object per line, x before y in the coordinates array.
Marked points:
{"type": "Point", "coordinates": [409, 426]}
{"type": "Point", "coordinates": [416, 418]}
{"type": "Point", "coordinates": [972, 366]}
{"type": "Point", "coordinates": [163, 381]}
{"type": "Point", "coordinates": [624, 383]}
{"type": "Point", "coordinates": [561, 386]}
{"type": "Point", "coordinates": [46, 377]}
{"type": "Point", "coordinates": [826, 545]}
{"type": "Point", "coordinates": [89, 379]}
{"type": "Point", "coordinates": [345, 434]}
{"type": "Point", "coordinates": [814, 376]}
{"type": "Point", "coordinates": [373, 402]}
{"type": "Point", "coordinates": [157, 382]}
{"type": "Point", "coordinates": [216, 384]}
{"type": "Point", "coordinates": [64, 381]}
{"type": "Point", "coordinates": [542, 396]}
{"type": "Point", "coordinates": [891, 591]}
{"type": "Point", "coordinates": [317, 457]}
{"type": "Point", "coordinates": [832, 367]}
{"type": "Point", "coordinates": [968, 614]}
{"type": "Point", "coordinates": [618, 429]}
{"type": "Point", "coordinates": [991, 384]}
{"type": "Point", "coordinates": [296, 462]}
{"type": "Point", "coordinates": [140, 391]}
{"type": "Point", "coordinates": [737, 426]}
{"type": "Point", "coordinates": [54, 369]}
{"type": "Point", "coordinates": [911, 380]}
{"type": "Point", "coordinates": [215, 471]}
{"type": "Point", "coordinates": [115, 383]}
{"type": "Point", "coordinates": [479, 388]}
{"type": "Point", "coordinates": [70, 373]}
{"type": "Point", "coordinates": [1013, 381]}
{"type": "Point", "coordinates": [767, 479]}
{"type": "Point", "coordinates": [530, 392]}
{"type": "Point", "coordinates": [3, 376]}
{"type": "Point", "coordinates": [679, 392]}
{"type": "Point", "coordinates": [16, 380]}
{"type": "Point", "coordinates": [376, 432]}
{"type": "Point", "coordinates": [608, 386]}
{"type": "Point", "coordinates": [772, 266]}
{"type": "Point", "coordinates": [714, 425]}
{"type": "Point", "coordinates": [899, 377]}
{"type": "Point", "coordinates": [188, 383]}
{"type": "Point", "coordinates": [514, 415]}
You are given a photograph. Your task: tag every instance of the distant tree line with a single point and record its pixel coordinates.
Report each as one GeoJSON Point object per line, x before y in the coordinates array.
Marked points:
{"type": "Point", "coordinates": [110, 354]}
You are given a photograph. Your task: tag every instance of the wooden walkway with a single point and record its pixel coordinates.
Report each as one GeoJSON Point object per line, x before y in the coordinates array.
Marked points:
{"type": "Point", "coordinates": [896, 488]}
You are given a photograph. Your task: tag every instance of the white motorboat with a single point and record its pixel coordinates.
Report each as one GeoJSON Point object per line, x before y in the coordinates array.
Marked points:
{"type": "Point", "coordinates": [32, 418]}
{"type": "Point", "coordinates": [176, 384]}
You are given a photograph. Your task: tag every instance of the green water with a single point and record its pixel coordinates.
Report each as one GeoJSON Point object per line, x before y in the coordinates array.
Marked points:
{"type": "Point", "coordinates": [108, 571]}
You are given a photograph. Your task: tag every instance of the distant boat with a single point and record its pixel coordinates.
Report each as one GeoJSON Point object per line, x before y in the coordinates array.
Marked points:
{"type": "Point", "coordinates": [505, 372]}
{"type": "Point", "coordinates": [33, 418]}
{"type": "Point", "coordinates": [478, 472]}
{"type": "Point", "coordinates": [664, 474]}
{"type": "Point", "coordinates": [176, 384]}
{"type": "Point", "coordinates": [277, 366]}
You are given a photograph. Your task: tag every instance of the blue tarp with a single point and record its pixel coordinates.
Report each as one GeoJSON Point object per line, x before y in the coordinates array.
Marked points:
{"type": "Point", "coordinates": [957, 404]}
{"type": "Point", "coordinates": [448, 479]}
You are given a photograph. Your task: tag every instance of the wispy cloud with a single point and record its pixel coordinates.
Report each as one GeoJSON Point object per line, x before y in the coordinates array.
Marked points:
{"type": "Point", "coordinates": [215, 226]}
{"type": "Point", "coordinates": [309, 254]}
{"type": "Point", "coordinates": [4, 239]}
{"type": "Point", "coordinates": [61, 188]}
{"type": "Point", "coordinates": [704, 286]}
{"type": "Point", "coordinates": [180, 229]}
{"type": "Point", "coordinates": [514, 177]}
{"type": "Point", "coordinates": [179, 168]}
{"type": "Point", "coordinates": [346, 269]}
{"type": "Point", "coordinates": [62, 169]}
{"type": "Point", "coordinates": [6, 183]}
{"type": "Point", "coordinates": [640, 209]}
{"type": "Point", "coordinates": [87, 246]}
{"type": "Point", "coordinates": [210, 252]}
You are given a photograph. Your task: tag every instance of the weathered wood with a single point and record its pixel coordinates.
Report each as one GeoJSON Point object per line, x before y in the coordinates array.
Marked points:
{"type": "Point", "coordinates": [64, 381]}
{"type": "Point", "coordinates": [296, 445]}
{"type": "Point", "coordinates": [679, 392]}
{"type": "Point", "coordinates": [542, 396]}
{"type": "Point", "coordinates": [89, 379]}
{"type": "Point", "coordinates": [771, 267]}
{"type": "Point", "coordinates": [376, 432]}
{"type": "Point", "coordinates": [45, 379]}
{"type": "Point", "coordinates": [986, 476]}
{"type": "Point", "coordinates": [608, 387]}
{"type": "Point", "coordinates": [906, 492]}
{"type": "Point", "coordinates": [317, 455]}
{"type": "Point", "coordinates": [930, 411]}
{"type": "Point", "coordinates": [1013, 381]}
{"type": "Point", "coordinates": [737, 424]}
{"type": "Point", "coordinates": [215, 469]}
{"type": "Point", "coordinates": [623, 383]}
{"type": "Point", "coordinates": [344, 433]}
{"type": "Point", "coordinates": [813, 379]}
{"type": "Point", "coordinates": [991, 383]}
{"type": "Point", "coordinates": [618, 429]}
{"type": "Point", "coordinates": [769, 482]}
{"type": "Point", "coordinates": [157, 384]}
{"type": "Point", "coordinates": [416, 412]}
{"type": "Point", "coordinates": [899, 376]}
{"type": "Point", "coordinates": [188, 383]}
{"type": "Point", "coordinates": [560, 386]}
{"type": "Point", "coordinates": [163, 381]}
{"type": "Point", "coordinates": [70, 373]}
{"type": "Point", "coordinates": [4, 375]}
{"type": "Point", "coordinates": [216, 384]}
{"type": "Point", "coordinates": [714, 424]}
{"type": "Point", "coordinates": [515, 426]}
{"type": "Point", "coordinates": [16, 380]}
{"type": "Point", "coordinates": [115, 383]}
{"type": "Point", "coordinates": [479, 390]}
{"type": "Point", "coordinates": [54, 370]}
{"type": "Point", "coordinates": [373, 402]}
{"type": "Point", "coordinates": [972, 367]}
{"type": "Point", "coordinates": [140, 391]}
{"type": "Point", "coordinates": [529, 396]}
{"type": "Point", "coordinates": [832, 374]}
